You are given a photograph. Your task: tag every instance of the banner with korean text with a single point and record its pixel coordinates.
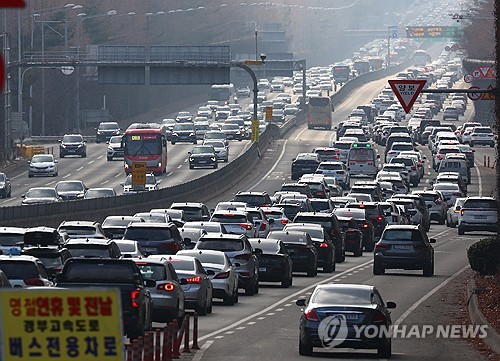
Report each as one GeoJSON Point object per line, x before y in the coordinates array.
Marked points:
{"type": "Point", "coordinates": [61, 324]}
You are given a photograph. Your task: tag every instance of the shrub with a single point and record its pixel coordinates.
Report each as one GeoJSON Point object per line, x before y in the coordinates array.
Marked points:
{"type": "Point", "coordinates": [484, 256]}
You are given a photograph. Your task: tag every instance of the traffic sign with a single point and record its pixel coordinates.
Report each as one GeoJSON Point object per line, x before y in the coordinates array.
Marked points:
{"type": "Point", "coordinates": [255, 131]}
{"type": "Point", "coordinates": [254, 62]}
{"type": "Point", "coordinates": [393, 30]}
{"type": "Point", "coordinates": [476, 73]}
{"type": "Point", "coordinates": [407, 91]}
{"type": "Point", "coordinates": [468, 78]}
{"type": "Point", "coordinates": [484, 70]}
{"type": "Point", "coordinates": [269, 113]}
{"type": "Point", "coordinates": [489, 96]}
{"type": "Point", "coordinates": [474, 96]}
{"type": "Point", "coordinates": [138, 173]}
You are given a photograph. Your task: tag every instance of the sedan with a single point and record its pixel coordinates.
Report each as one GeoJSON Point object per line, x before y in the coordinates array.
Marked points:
{"type": "Point", "coordinates": [40, 195]}
{"type": "Point", "coordinates": [348, 306]}
{"type": "Point", "coordinates": [5, 186]}
{"type": "Point", "coordinates": [450, 191]}
{"type": "Point", "coordinates": [221, 149]}
{"type": "Point", "coordinates": [43, 164]}
{"type": "Point", "coordinates": [453, 211]}
{"type": "Point", "coordinates": [220, 271]}
{"type": "Point", "coordinates": [71, 190]}
{"type": "Point", "coordinates": [275, 263]}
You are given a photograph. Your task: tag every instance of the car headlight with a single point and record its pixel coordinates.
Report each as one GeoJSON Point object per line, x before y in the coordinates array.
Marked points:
{"type": "Point", "coordinates": [2, 185]}
{"type": "Point", "coordinates": [213, 159]}
{"type": "Point", "coordinates": [191, 134]}
{"type": "Point", "coordinates": [63, 146]}
{"type": "Point", "coordinates": [191, 159]}
{"type": "Point", "coordinates": [174, 134]}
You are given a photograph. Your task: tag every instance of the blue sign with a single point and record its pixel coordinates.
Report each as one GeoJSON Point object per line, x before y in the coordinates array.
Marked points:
{"type": "Point", "coordinates": [393, 31]}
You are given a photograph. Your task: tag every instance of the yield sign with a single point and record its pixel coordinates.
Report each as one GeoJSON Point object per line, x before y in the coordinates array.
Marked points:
{"type": "Point", "coordinates": [484, 71]}
{"type": "Point", "coordinates": [407, 91]}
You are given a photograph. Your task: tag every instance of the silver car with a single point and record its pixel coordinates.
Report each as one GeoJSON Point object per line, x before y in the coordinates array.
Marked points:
{"type": "Point", "coordinates": [220, 271]}
{"type": "Point", "coordinates": [198, 289]}
{"type": "Point", "coordinates": [43, 164]}
{"type": "Point", "coordinates": [453, 211]}
{"type": "Point", "coordinates": [435, 202]}
{"type": "Point", "coordinates": [221, 149]}
{"type": "Point", "coordinates": [277, 214]}
{"type": "Point", "coordinates": [40, 195]}
{"type": "Point", "coordinates": [167, 295]}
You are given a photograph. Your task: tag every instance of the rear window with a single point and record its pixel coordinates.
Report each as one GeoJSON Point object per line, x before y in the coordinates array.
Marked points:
{"type": "Point", "coordinates": [319, 102]}
{"type": "Point", "coordinates": [90, 251]}
{"type": "Point", "coordinates": [182, 264]}
{"type": "Point", "coordinates": [325, 222]}
{"type": "Point", "coordinates": [151, 271]}
{"type": "Point", "coordinates": [99, 273]}
{"type": "Point", "coordinates": [251, 200]}
{"type": "Point", "coordinates": [480, 203]}
{"type": "Point", "coordinates": [224, 245]}
{"type": "Point", "coordinates": [11, 239]}
{"type": "Point", "coordinates": [190, 211]}
{"type": "Point", "coordinates": [77, 231]}
{"type": "Point", "coordinates": [294, 188]}
{"type": "Point", "coordinates": [402, 235]}
{"type": "Point", "coordinates": [147, 234]}
{"type": "Point", "coordinates": [18, 270]}
{"type": "Point", "coordinates": [429, 197]}
{"type": "Point", "coordinates": [361, 154]}
{"type": "Point", "coordinates": [341, 296]}
{"type": "Point", "coordinates": [342, 145]}
{"type": "Point", "coordinates": [331, 166]}
{"type": "Point", "coordinates": [229, 218]}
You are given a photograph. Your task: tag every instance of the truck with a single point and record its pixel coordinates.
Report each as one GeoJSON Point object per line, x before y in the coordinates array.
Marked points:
{"type": "Point", "coordinates": [478, 214]}
{"type": "Point", "coordinates": [121, 274]}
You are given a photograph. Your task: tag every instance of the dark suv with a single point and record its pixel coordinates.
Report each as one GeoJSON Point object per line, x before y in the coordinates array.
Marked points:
{"type": "Point", "coordinates": [304, 163]}
{"type": "Point", "coordinates": [73, 144]}
{"type": "Point", "coordinates": [155, 238]}
{"type": "Point", "coordinates": [53, 258]}
{"type": "Point", "coordinates": [332, 228]}
{"type": "Point", "coordinates": [374, 214]}
{"type": "Point", "coordinates": [184, 132]}
{"type": "Point", "coordinates": [106, 130]}
{"type": "Point", "coordinates": [254, 199]}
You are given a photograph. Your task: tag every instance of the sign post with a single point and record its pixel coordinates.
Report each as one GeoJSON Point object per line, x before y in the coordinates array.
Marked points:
{"type": "Point", "coordinates": [63, 324]}
{"type": "Point", "coordinates": [139, 175]}
{"type": "Point", "coordinates": [407, 91]}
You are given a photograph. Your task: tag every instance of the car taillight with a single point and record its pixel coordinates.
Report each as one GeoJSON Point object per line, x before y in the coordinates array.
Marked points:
{"type": "Point", "coordinates": [57, 269]}
{"type": "Point", "coordinates": [194, 280]}
{"type": "Point", "coordinates": [413, 168]}
{"type": "Point", "coordinates": [262, 227]}
{"type": "Point", "coordinates": [379, 218]}
{"type": "Point", "coordinates": [134, 298]}
{"type": "Point", "coordinates": [284, 221]}
{"type": "Point", "coordinates": [222, 275]}
{"type": "Point", "coordinates": [440, 156]}
{"type": "Point", "coordinates": [165, 287]}
{"type": "Point", "coordinates": [323, 245]}
{"type": "Point", "coordinates": [366, 225]}
{"type": "Point", "coordinates": [246, 226]}
{"type": "Point", "coordinates": [244, 256]}
{"type": "Point", "coordinates": [311, 316]}
{"type": "Point", "coordinates": [34, 282]}
{"type": "Point", "coordinates": [379, 317]}
{"type": "Point", "coordinates": [379, 246]}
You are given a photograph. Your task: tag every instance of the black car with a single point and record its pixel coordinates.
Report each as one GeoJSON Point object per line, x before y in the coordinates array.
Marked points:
{"type": "Point", "coordinates": [302, 188]}
{"type": "Point", "coordinates": [364, 224]}
{"type": "Point", "coordinates": [404, 247]}
{"type": "Point", "coordinates": [301, 248]}
{"type": "Point", "coordinates": [350, 307]}
{"type": "Point", "coordinates": [275, 263]}
{"type": "Point", "coordinates": [53, 258]}
{"type": "Point", "coordinates": [155, 238]}
{"type": "Point", "coordinates": [304, 163]}
{"type": "Point", "coordinates": [203, 156]}
{"type": "Point", "coordinates": [71, 189]}
{"type": "Point", "coordinates": [375, 214]}
{"type": "Point", "coordinates": [5, 186]}
{"type": "Point", "coordinates": [332, 228]}
{"type": "Point", "coordinates": [106, 130]}
{"type": "Point", "coordinates": [93, 248]}
{"type": "Point", "coordinates": [323, 243]}
{"type": "Point", "coordinates": [184, 132]}
{"type": "Point", "coordinates": [352, 235]}
{"type": "Point", "coordinates": [73, 144]}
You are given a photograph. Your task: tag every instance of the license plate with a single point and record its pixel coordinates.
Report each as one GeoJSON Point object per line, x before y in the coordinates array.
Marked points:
{"type": "Point", "coordinates": [480, 217]}
{"type": "Point", "coordinates": [262, 269]}
{"type": "Point", "coordinates": [203, 161]}
{"type": "Point", "coordinates": [401, 247]}
{"type": "Point", "coordinates": [291, 251]}
{"type": "Point", "coordinates": [149, 249]}
{"type": "Point", "coordinates": [349, 316]}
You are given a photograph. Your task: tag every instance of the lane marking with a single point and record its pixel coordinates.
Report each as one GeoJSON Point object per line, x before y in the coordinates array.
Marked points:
{"type": "Point", "coordinates": [180, 165]}
{"type": "Point", "coordinates": [199, 355]}
{"type": "Point", "coordinates": [480, 182]}
{"type": "Point", "coordinates": [79, 169]}
{"type": "Point", "coordinates": [261, 318]}
{"type": "Point", "coordinates": [169, 174]}
{"type": "Point", "coordinates": [92, 161]}
{"type": "Point", "coordinates": [67, 175]}
{"type": "Point", "coordinates": [251, 323]}
{"type": "Point", "coordinates": [118, 175]}
{"type": "Point", "coordinates": [104, 182]}
{"type": "Point", "coordinates": [240, 328]}
{"type": "Point", "coordinates": [229, 332]}
{"type": "Point", "coordinates": [272, 168]}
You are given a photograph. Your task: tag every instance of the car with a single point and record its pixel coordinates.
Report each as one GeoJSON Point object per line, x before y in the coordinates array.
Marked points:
{"type": "Point", "coordinates": [374, 214]}
{"type": "Point", "coordinates": [278, 215]}
{"type": "Point", "coordinates": [155, 238]}
{"type": "Point", "coordinates": [106, 130]}
{"type": "Point", "coordinates": [236, 222]}
{"type": "Point", "coordinates": [301, 248]}
{"type": "Point", "coordinates": [302, 189]}
{"type": "Point", "coordinates": [151, 184]}
{"type": "Point", "coordinates": [352, 235]}
{"type": "Point", "coordinates": [11, 240]}
{"type": "Point", "coordinates": [478, 214]}
{"type": "Point", "coordinates": [240, 252]}
{"type": "Point", "coordinates": [193, 211]}
{"type": "Point", "coordinates": [354, 305]}
{"type": "Point", "coordinates": [336, 169]}
{"type": "Point", "coordinates": [254, 198]}
{"type": "Point", "coordinates": [243, 91]}
{"type": "Point", "coordinates": [43, 164]}
{"type": "Point", "coordinates": [72, 144]}
{"type": "Point", "coordinates": [450, 191]}
{"type": "Point", "coordinates": [44, 237]}
{"type": "Point", "coordinates": [93, 248]}
{"type": "Point", "coordinates": [275, 263]}
{"type": "Point", "coordinates": [323, 243]}
{"type": "Point", "coordinates": [114, 226]}
{"type": "Point", "coordinates": [436, 204]}
{"type": "Point", "coordinates": [92, 193]}
{"type": "Point", "coordinates": [304, 163]}
{"type": "Point", "coordinates": [203, 156]}
{"type": "Point", "coordinates": [260, 220]}
{"type": "Point", "coordinates": [290, 109]}
{"type": "Point", "coordinates": [221, 149]}
{"type": "Point", "coordinates": [130, 249]}
{"type": "Point", "coordinates": [221, 273]}
{"type": "Point", "coordinates": [184, 132]}
{"type": "Point", "coordinates": [71, 189]}
{"type": "Point", "coordinates": [115, 148]}
{"type": "Point", "coordinates": [451, 177]}
{"type": "Point", "coordinates": [184, 117]}
{"type": "Point", "coordinates": [364, 224]}
{"type": "Point", "coordinates": [482, 135]}
{"type": "Point", "coordinates": [5, 186]}
{"type": "Point", "coordinates": [453, 211]}
{"type": "Point", "coordinates": [81, 229]}
{"type": "Point", "coordinates": [233, 131]}
{"type": "Point", "coordinates": [40, 195]}
{"type": "Point", "coordinates": [53, 258]}
{"type": "Point", "coordinates": [25, 271]}
{"type": "Point", "coordinates": [404, 247]}
{"type": "Point", "coordinates": [167, 295]}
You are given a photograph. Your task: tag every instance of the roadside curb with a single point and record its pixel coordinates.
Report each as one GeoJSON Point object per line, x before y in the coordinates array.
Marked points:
{"type": "Point", "coordinates": [492, 338]}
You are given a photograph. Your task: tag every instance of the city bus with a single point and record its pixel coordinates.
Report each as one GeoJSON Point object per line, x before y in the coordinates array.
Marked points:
{"type": "Point", "coordinates": [319, 113]}
{"type": "Point", "coordinates": [223, 93]}
{"type": "Point", "coordinates": [146, 142]}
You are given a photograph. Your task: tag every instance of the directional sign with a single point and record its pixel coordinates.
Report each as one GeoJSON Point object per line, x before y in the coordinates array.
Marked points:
{"type": "Point", "coordinates": [474, 96]}
{"type": "Point", "coordinates": [407, 91]}
{"type": "Point", "coordinates": [139, 173]}
{"type": "Point", "coordinates": [476, 73]}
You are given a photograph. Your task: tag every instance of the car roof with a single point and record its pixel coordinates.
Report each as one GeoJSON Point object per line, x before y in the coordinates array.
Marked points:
{"type": "Point", "coordinates": [19, 258]}
{"type": "Point", "coordinates": [99, 241]}
{"type": "Point", "coordinates": [78, 223]}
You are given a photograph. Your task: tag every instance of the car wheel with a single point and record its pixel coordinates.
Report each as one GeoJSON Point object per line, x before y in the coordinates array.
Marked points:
{"type": "Point", "coordinates": [191, 166]}
{"type": "Point", "coordinates": [461, 231]}
{"type": "Point", "coordinates": [338, 257]}
{"type": "Point", "coordinates": [370, 246]}
{"type": "Point", "coordinates": [471, 144]}
{"type": "Point", "coordinates": [441, 220]}
{"type": "Point", "coordinates": [172, 142]}
{"type": "Point", "coordinates": [216, 165]}
{"type": "Point", "coordinates": [84, 155]}
{"type": "Point", "coordinates": [55, 174]}
{"type": "Point", "coordinates": [228, 300]}
{"type": "Point", "coordinates": [359, 251]}
{"type": "Point", "coordinates": [448, 224]}
{"type": "Point", "coordinates": [226, 160]}
{"type": "Point", "coordinates": [209, 308]}
{"type": "Point", "coordinates": [385, 350]}
{"type": "Point", "coordinates": [429, 269]}
{"type": "Point", "coordinates": [287, 282]}
{"type": "Point", "coordinates": [30, 175]}
{"type": "Point", "coordinates": [312, 271]}
{"type": "Point", "coordinates": [202, 310]}
{"type": "Point", "coordinates": [453, 225]}
{"type": "Point", "coordinates": [249, 290]}
{"type": "Point", "coordinates": [330, 267]}
{"type": "Point", "coordinates": [61, 155]}
{"type": "Point", "coordinates": [236, 296]}
{"type": "Point", "coordinates": [305, 349]}
{"type": "Point", "coordinates": [195, 141]}
{"type": "Point", "coordinates": [378, 269]}
{"type": "Point", "coordinates": [109, 159]}
{"type": "Point", "coordinates": [256, 286]}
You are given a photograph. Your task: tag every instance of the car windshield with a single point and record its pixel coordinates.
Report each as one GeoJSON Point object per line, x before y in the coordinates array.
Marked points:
{"type": "Point", "coordinates": [41, 193]}
{"type": "Point", "coordinates": [108, 126]}
{"type": "Point", "coordinates": [184, 126]}
{"type": "Point", "coordinates": [72, 139]}
{"type": "Point", "coordinates": [224, 245]}
{"type": "Point", "coordinates": [347, 296]}
{"type": "Point", "coordinates": [202, 150]}
{"type": "Point", "coordinates": [151, 271]}
{"type": "Point", "coordinates": [148, 234]}
{"type": "Point", "coordinates": [41, 158]}
{"type": "Point", "coordinates": [116, 139]}
{"type": "Point", "coordinates": [15, 270]}
{"type": "Point", "coordinates": [69, 186]}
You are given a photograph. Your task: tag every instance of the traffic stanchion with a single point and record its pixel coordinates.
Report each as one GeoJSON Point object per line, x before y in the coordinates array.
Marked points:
{"type": "Point", "coordinates": [185, 331]}
{"type": "Point", "coordinates": [157, 345]}
{"type": "Point", "coordinates": [176, 341]}
{"type": "Point", "coordinates": [195, 332]}
{"type": "Point", "coordinates": [136, 350]}
{"type": "Point", "coordinates": [167, 344]}
{"type": "Point", "coordinates": [148, 347]}
{"type": "Point", "coordinates": [129, 349]}
{"type": "Point", "coordinates": [484, 160]}
{"type": "Point", "coordinates": [488, 161]}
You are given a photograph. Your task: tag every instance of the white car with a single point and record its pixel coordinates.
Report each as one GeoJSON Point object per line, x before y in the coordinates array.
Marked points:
{"type": "Point", "coordinates": [337, 170]}
{"type": "Point", "coordinates": [43, 164]}
{"type": "Point", "coordinates": [453, 211]}
{"type": "Point", "coordinates": [482, 135]}
{"type": "Point", "coordinates": [277, 214]}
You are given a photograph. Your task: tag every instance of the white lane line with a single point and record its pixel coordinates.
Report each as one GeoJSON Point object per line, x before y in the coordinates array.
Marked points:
{"type": "Point", "coordinates": [18, 176]}
{"type": "Point", "coordinates": [427, 295]}
{"type": "Point", "coordinates": [50, 183]}
{"type": "Point", "coordinates": [185, 160]}
{"type": "Point", "coordinates": [92, 161]}
{"type": "Point", "coordinates": [272, 168]}
{"type": "Point", "coordinates": [100, 157]}
{"type": "Point", "coordinates": [180, 165]}
{"type": "Point", "coordinates": [67, 175]}
{"type": "Point", "coordinates": [279, 302]}
{"type": "Point", "coordinates": [118, 175]}
{"type": "Point", "coordinates": [79, 169]}
{"type": "Point", "coordinates": [480, 181]}
{"type": "Point", "coordinates": [229, 332]}
{"type": "Point", "coordinates": [287, 305]}
{"type": "Point", "coordinates": [169, 174]}
{"type": "Point", "coordinates": [199, 355]}
{"type": "Point", "coordinates": [270, 314]}
{"type": "Point", "coordinates": [219, 337]}
{"type": "Point", "coordinates": [251, 323]}
{"type": "Point", "coordinates": [240, 328]}
{"type": "Point", "coordinates": [279, 309]}
{"type": "Point", "coordinates": [104, 182]}
{"type": "Point", "coordinates": [261, 318]}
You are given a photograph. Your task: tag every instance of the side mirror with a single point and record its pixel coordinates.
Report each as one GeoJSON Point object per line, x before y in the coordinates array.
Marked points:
{"type": "Point", "coordinates": [189, 153]}
{"type": "Point", "coordinates": [300, 302]}
{"type": "Point", "coordinates": [432, 240]}
{"type": "Point", "coordinates": [107, 142]}
{"type": "Point", "coordinates": [56, 161]}
{"type": "Point", "coordinates": [59, 141]}
{"type": "Point", "coordinates": [150, 283]}
{"type": "Point", "coordinates": [271, 221]}
{"type": "Point", "coordinates": [122, 184]}
{"type": "Point", "coordinates": [429, 206]}
{"type": "Point", "coordinates": [257, 251]}
{"type": "Point", "coordinates": [390, 305]}
{"type": "Point", "coordinates": [183, 281]}
{"type": "Point", "coordinates": [237, 265]}
{"type": "Point", "coordinates": [23, 195]}
{"type": "Point", "coordinates": [378, 156]}
{"type": "Point", "coordinates": [210, 272]}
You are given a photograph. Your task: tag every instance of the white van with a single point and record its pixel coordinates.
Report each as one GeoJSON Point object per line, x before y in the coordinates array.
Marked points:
{"type": "Point", "coordinates": [455, 165]}
{"type": "Point", "coordinates": [362, 160]}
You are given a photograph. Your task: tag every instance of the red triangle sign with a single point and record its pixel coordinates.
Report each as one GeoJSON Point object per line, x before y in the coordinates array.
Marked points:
{"type": "Point", "coordinates": [407, 91]}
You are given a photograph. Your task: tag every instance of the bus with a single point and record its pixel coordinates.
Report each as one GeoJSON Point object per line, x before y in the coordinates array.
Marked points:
{"type": "Point", "coordinates": [341, 74]}
{"type": "Point", "coordinates": [362, 160]}
{"type": "Point", "coordinates": [223, 93]}
{"type": "Point", "coordinates": [319, 113]}
{"type": "Point", "coordinates": [421, 58]}
{"type": "Point", "coordinates": [145, 142]}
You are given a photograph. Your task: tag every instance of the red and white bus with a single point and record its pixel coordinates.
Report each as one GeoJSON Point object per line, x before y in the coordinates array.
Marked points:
{"type": "Point", "coordinates": [146, 142]}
